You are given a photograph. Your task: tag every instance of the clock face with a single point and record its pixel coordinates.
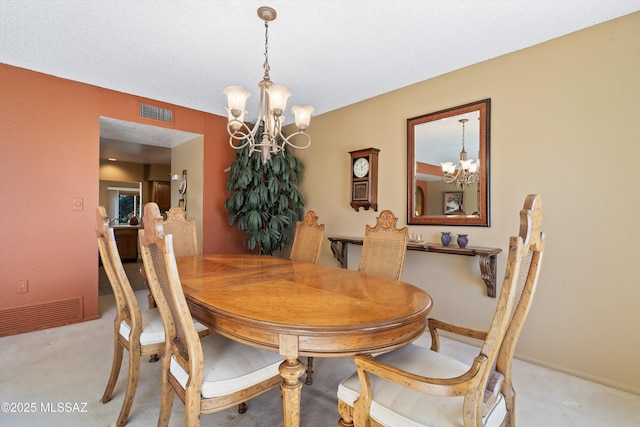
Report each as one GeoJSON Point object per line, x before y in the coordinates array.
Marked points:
{"type": "Point", "coordinates": [361, 167]}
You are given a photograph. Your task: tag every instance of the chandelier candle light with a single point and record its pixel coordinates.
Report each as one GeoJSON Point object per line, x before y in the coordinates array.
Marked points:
{"type": "Point", "coordinates": [273, 101]}
{"type": "Point", "coordinates": [467, 174]}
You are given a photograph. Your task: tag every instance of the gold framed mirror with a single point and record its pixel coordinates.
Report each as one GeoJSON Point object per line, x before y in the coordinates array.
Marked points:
{"type": "Point", "coordinates": [448, 166]}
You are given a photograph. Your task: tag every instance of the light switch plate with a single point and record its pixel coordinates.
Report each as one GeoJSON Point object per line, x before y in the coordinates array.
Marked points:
{"type": "Point", "coordinates": [23, 286]}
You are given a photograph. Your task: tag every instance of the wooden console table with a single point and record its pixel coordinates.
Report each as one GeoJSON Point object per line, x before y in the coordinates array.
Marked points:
{"type": "Point", "coordinates": [487, 256]}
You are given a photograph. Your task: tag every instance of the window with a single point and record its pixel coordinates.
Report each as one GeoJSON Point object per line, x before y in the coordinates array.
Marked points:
{"type": "Point", "coordinates": [124, 203]}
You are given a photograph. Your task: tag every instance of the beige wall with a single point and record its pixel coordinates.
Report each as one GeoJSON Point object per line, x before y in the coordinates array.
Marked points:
{"type": "Point", "coordinates": [189, 156]}
{"type": "Point", "coordinates": [563, 124]}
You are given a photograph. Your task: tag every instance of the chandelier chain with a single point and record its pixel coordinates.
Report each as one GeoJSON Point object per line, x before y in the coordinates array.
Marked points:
{"type": "Point", "coordinates": [266, 66]}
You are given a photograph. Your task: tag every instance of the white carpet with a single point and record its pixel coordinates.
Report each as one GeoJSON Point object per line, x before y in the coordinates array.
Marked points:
{"type": "Point", "coordinates": [59, 375]}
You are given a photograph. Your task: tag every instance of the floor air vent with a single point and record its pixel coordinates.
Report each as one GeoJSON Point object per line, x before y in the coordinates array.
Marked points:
{"type": "Point", "coordinates": [17, 320]}
{"type": "Point", "coordinates": [156, 113]}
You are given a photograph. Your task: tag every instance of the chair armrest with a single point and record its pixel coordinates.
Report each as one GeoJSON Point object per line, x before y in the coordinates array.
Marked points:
{"type": "Point", "coordinates": [435, 324]}
{"type": "Point", "coordinates": [445, 387]}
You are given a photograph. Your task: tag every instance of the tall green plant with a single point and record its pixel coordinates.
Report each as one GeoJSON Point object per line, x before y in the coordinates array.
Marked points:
{"type": "Point", "coordinates": [265, 201]}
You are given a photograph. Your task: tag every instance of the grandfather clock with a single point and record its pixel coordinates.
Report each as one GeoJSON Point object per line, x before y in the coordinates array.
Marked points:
{"type": "Point", "coordinates": [364, 179]}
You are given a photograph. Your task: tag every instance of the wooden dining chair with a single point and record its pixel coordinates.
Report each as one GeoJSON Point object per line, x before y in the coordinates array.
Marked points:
{"type": "Point", "coordinates": [417, 386]}
{"type": "Point", "coordinates": [308, 239]}
{"type": "Point", "coordinates": [306, 247]}
{"type": "Point", "coordinates": [185, 240]}
{"type": "Point", "coordinates": [384, 247]}
{"type": "Point", "coordinates": [208, 375]}
{"type": "Point", "coordinates": [140, 332]}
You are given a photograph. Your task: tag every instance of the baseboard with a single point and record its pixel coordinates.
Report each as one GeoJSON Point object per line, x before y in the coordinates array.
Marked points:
{"type": "Point", "coordinates": [537, 362]}
{"type": "Point", "coordinates": [582, 375]}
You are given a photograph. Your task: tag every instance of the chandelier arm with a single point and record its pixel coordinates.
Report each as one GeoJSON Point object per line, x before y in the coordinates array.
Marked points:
{"type": "Point", "coordinates": [261, 104]}
{"type": "Point", "coordinates": [239, 146]}
{"type": "Point", "coordinates": [254, 130]}
{"type": "Point", "coordinates": [287, 140]}
{"type": "Point", "coordinates": [461, 177]}
{"type": "Point", "coordinates": [449, 178]}
{"type": "Point", "coordinates": [238, 134]}
{"type": "Point", "coordinates": [247, 135]}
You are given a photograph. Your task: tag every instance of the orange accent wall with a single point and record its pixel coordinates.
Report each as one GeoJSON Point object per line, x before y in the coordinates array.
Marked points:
{"type": "Point", "coordinates": [49, 157]}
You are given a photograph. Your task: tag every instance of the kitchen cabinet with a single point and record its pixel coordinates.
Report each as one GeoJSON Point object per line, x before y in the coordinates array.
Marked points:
{"type": "Point", "coordinates": [127, 242]}
{"type": "Point", "coordinates": [161, 194]}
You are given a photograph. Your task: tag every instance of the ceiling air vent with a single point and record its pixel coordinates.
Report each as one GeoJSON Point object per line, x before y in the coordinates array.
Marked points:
{"type": "Point", "coordinates": [156, 113]}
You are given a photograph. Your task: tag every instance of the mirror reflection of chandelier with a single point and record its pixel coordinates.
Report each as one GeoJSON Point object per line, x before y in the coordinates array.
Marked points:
{"type": "Point", "coordinates": [467, 172]}
{"type": "Point", "coordinates": [273, 101]}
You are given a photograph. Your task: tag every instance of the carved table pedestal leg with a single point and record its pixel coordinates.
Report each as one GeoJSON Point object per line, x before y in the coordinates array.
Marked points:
{"type": "Point", "coordinates": [291, 370]}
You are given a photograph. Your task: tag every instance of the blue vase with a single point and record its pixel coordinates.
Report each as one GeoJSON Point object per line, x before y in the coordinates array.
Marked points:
{"type": "Point", "coordinates": [445, 238]}
{"type": "Point", "coordinates": [462, 240]}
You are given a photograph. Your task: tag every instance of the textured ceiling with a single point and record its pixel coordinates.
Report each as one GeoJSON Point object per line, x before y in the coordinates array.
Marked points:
{"type": "Point", "coordinates": [330, 53]}
{"type": "Point", "coordinates": [151, 144]}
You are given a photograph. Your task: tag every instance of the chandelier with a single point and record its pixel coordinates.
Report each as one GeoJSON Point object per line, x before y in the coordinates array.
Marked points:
{"type": "Point", "coordinates": [273, 101]}
{"type": "Point", "coordinates": [467, 173]}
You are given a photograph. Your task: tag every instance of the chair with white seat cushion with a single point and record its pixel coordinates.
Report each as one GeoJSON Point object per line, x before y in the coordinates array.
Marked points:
{"type": "Point", "coordinates": [416, 386]}
{"type": "Point", "coordinates": [208, 375]}
{"type": "Point", "coordinates": [140, 332]}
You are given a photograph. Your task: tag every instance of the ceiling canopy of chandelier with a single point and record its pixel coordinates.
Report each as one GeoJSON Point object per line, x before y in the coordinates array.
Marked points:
{"type": "Point", "coordinates": [468, 171]}
{"type": "Point", "coordinates": [273, 101]}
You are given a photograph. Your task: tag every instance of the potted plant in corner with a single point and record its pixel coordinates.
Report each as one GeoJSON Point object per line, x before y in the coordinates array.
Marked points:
{"type": "Point", "coordinates": [264, 200]}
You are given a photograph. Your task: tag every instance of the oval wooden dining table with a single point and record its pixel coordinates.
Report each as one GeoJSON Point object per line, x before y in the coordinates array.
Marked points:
{"type": "Point", "coordinates": [301, 309]}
